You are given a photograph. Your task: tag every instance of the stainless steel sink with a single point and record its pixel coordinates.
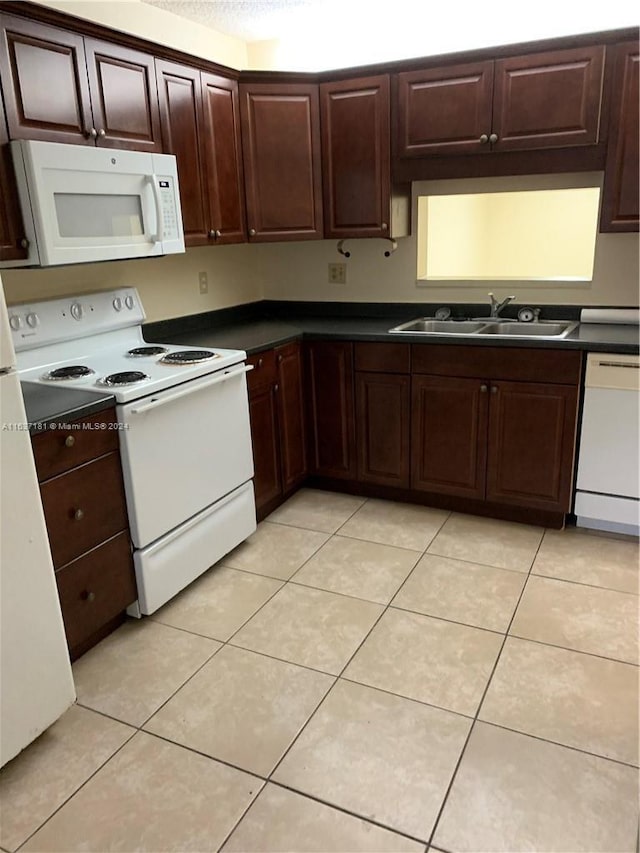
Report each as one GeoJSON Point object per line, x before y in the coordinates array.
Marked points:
{"type": "Point", "coordinates": [426, 326]}
{"type": "Point", "coordinates": [494, 328]}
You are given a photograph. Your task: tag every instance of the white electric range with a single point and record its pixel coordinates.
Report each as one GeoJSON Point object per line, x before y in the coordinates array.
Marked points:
{"type": "Point", "coordinates": [183, 426]}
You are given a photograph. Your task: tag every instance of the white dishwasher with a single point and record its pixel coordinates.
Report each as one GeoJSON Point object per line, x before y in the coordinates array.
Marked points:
{"type": "Point", "coordinates": [608, 486]}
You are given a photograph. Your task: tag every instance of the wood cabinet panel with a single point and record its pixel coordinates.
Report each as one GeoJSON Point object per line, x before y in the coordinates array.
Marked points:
{"type": "Point", "coordinates": [264, 437]}
{"type": "Point", "coordinates": [384, 358]}
{"type": "Point", "coordinates": [95, 588]}
{"type": "Point", "coordinates": [449, 434]}
{"type": "Point", "coordinates": [13, 246]}
{"type": "Point", "coordinates": [83, 507]}
{"type": "Point", "coordinates": [291, 419]}
{"type": "Point", "coordinates": [264, 369]}
{"type": "Point", "coordinates": [329, 379]}
{"type": "Point", "coordinates": [281, 151]}
{"type": "Point", "coordinates": [223, 156]}
{"type": "Point", "coordinates": [548, 100]}
{"type": "Point", "coordinates": [444, 110]}
{"type": "Point", "coordinates": [355, 156]}
{"type": "Point", "coordinates": [124, 98]}
{"type": "Point", "coordinates": [45, 83]}
{"type": "Point", "coordinates": [531, 439]}
{"type": "Point", "coordinates": [383, 424]}
{"type": "Point", "coordinates": [59, 450]}
{"type": "Point", "coordinates": [620, 204]}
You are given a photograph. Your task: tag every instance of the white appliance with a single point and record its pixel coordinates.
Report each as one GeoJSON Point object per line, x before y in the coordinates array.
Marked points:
{"type": "Point", "coordinates": [183, 416]}
{"type": "Point", "coordinates": [36, 686]}
{"type": "Point", "coordinates": [608, 485]}
{"type": "Point", "coordinates": [83, 204]}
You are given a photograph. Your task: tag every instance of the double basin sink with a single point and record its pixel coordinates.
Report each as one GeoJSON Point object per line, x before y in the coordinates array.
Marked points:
{"type": "Point", "coordinates": [555, 329]}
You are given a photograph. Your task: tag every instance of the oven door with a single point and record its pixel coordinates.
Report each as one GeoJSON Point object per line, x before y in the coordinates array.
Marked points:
{"type": "Point", "coordinates": [183, 449]}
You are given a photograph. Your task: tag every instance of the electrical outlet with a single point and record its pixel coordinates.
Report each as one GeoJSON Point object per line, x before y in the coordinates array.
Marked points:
{"type": "Point", "coordinates": [203, 282]}
{"type": "Point", "coordinates": [337, 273]}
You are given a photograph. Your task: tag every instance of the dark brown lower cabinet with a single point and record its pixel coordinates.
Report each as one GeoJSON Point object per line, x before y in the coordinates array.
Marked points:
{"type": "Point", "coordinates": [291, 420]}
{"type": "Point", "coordinates": [267, 484]}
{"type": "Point", "coordinates": [330, 406]}
{"type": "Point", "coordinates": [383, 424]}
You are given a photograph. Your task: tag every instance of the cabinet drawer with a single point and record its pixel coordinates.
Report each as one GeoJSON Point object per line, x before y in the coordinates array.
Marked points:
{"type": "Point", "coordinates": [96, 587]}
{"type": "Point", "coordinates": [264, 369]}
{"type": "Point", "coordinates": [382, 358]}
{"type": "Point", "coordinates": [84, 507]}
{"type": "Point", "coordinates": [509, 363]}
{"type": "Point", "coordinates": [60, 450]}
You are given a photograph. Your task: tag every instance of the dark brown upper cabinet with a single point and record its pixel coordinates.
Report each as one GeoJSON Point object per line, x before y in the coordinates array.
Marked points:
{"type": "Point", "coordinates": [620, 207]}
{"type": "Point", "coordinates": [281, 150]}
{"type": "Point", "coordinates": [61, 87]}
{"type": "Point", "coordinates": [540, 100]}
{"type": "Point", "coordinates": [13, 242]}
{"type": "Point", "coordinates": [356, 169]}
{"type": "Point", "coordinates": [200, 127]}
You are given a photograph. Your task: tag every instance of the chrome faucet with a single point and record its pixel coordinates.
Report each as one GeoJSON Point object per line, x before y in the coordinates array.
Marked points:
{"type": "Point", "coordinates": [496, 307]}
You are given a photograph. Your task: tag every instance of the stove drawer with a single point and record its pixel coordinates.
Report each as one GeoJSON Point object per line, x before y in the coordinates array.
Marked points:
{"type": "Point", "coordinates": [84, 507]}
{"type": "Point", "coordinates": [60, 450]}
{"type": "Point", "coordinates": [95, 588]}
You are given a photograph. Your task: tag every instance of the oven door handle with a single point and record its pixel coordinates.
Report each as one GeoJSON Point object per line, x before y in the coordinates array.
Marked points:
{"type": "Point", "coordinates": [157, 402]}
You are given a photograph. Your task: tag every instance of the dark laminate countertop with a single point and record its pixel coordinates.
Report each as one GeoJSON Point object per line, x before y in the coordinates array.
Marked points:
{"type": "Point", "coordinates": [46, 405]}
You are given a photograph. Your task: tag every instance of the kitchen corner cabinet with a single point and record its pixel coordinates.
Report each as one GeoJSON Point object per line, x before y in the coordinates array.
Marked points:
{"type": "Point", "coordinates": [356, 166]}
{"type": "Point", "coordinates": [331, 409]}
{"type": "Point", "coordinates": [383, 414]}
{"type": "Point", "coordinates": [538, 100]}
{"type": "Point", "coordinates": [620, 205]}
{"type": "Point", "coordinates": [281, 151]}
{"type": "Point", "coordinates": [85, 512]}
{"type": "Point", "coordinates": [61, 87]}
{"type": "Point", "coordinates": [13, 242]}
{"type": "Point", "coordinates": [201, 128]}
{"type": "Point", "coordinates": [495, 428]}
{"type": "Point", "coordinates": [276, 411]}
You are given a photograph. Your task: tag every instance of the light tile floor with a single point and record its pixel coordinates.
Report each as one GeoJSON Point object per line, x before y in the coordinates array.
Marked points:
{"type": "Point", "coordinates": [359, 676]}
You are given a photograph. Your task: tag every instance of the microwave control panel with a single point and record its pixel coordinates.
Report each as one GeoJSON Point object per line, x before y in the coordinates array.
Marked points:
{"type": "Point", "coordinates": [166, 186]}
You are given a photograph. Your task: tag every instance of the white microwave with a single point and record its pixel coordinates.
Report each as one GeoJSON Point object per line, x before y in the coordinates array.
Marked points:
{"type": "Point", "coordinates": [83, 204]}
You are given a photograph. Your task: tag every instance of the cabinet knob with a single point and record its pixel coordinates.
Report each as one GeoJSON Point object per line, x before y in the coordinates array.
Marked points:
{"type": "Point", "coordinates": [260, 362]}
{"type": "Point", "coordinates": [102, 133]}
{"type": "Point", "coordinates": [493, 138]}
{"type": "Point", "coordinates": [92, 133]}
{"type": "Point", "coordinates": [276, 387]}
{"type": "Point", "coordinates": [218, 233]}
{"type": "Point", "coordinates": [279, 359]}
{"type": "Point", "coordinates": [494, 389]}
{"type": "Point", "coordinates": [78, 515]}
{"type": "Point", "coordinates": [384, 226]}
{"type": "Point", "coordinates": [211, 234]}
{"type": "Point", "coordinates": [483, 389]}
{"type": "Point", "coordinates": [69, 441]}
{"type": "Point", "coordinates": [484, 138]}
{"type": "Point", "coordinates": [88, 596]}
{"type": "Point", "coordinates": [23, 243]}
{"type": "Point", "coordinates": [252, 232]}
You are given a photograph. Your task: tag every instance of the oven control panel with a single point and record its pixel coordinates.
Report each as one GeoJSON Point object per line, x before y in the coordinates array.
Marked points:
{"type": "Point", "coordinates": [36, 324]}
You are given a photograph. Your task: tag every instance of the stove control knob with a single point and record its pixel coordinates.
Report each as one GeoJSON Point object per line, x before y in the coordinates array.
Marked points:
{"type": "Point", "coordinates": [128, 301]}
{"type": "Point", "coordinates": [15, 322]}
{"type": "Point", "coordinates": [77, 311]}
{"type": "Point", "coordinates": [117, 303]}
{"type": "Point", "coordinates": [33, 320]}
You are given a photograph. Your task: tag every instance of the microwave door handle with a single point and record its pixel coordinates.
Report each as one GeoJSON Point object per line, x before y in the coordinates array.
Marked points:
{"type": "Point", "coordinates": [159, 233]}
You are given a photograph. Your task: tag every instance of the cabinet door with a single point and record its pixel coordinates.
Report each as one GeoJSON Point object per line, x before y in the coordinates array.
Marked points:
{"type": "Point", "coordinates": [293, 455]}
{"type": "Point", "coordinates": [222, 152]}
{"type": "Point", "coordinates": [329, 372]}
{"type": "Point", "coordinates": [12, 237]}
{"type": "Point", "coordinates": [445, 110]}
{"type": "Point", "coordinates": [124, 97]}
{"type": "Point", "coordinates": [532, 430]}
{"type": "Point", "coordinates": [449, 435]}
{"type": "Point", "coordinates": [264, 437]}
{"type": "Point", "coordinates": [180, 99]}
{"type": "Point", "coordinates": [383, 428]}
{"type": "Point", "coordinates": [356, 170]}
{"type": "Point", "coordinates": [620, 208]}
{"type": "Point", "coordinates": [44, 78]}
{"type": "Point", "coordinates": [548, 100]}
{"type": "Point", "coordinates": [281, 149]}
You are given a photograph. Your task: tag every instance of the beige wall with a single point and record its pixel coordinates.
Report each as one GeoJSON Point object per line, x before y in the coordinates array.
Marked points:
{"type": "Point", "coordinates": [149, 22]}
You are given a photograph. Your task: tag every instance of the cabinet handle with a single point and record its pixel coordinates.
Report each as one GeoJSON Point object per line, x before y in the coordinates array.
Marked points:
{"type": "Point", "coordinates": [92, 133]}
{"type": "Point", "coordinates": [69, 441]}
{"type": "Point", "coordinates": [88, 596]}
{"type": "Point", "coordinates": [483, 389]}
{"type": "Point", "coordinates": [252, 232]}
{"type": "Point", "coordinates": [212, 234]}
{"type": "Point", "coordinates": [493, 138]}
{"type": "Point", "coordinates": [23, 243]}
{"type": "Point", "coordinates": [483, 139]}
{"type": "Point", "coordinates": [494, 389]}
{"type": "Point", "coordinates": [102, 133]}
{"type": "Point", "coordinates": [78, 515]}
